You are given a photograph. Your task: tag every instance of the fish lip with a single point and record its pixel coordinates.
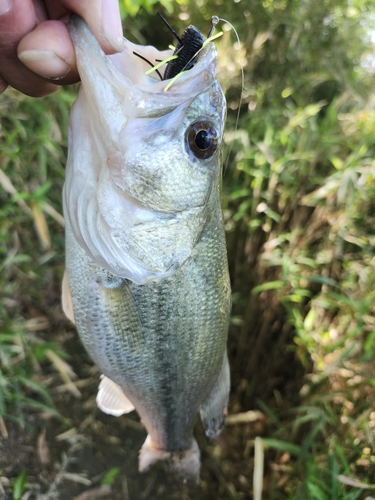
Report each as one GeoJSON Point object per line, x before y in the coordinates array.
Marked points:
{"type": "Point", "coordinates": [143, 95]}
{"type": "Point", "coordinates": [205, 57]}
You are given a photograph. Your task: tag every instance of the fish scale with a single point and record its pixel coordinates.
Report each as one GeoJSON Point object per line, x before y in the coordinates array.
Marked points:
{"type": "Point", "coordinates": [153, 316]}
{"type": "Point", "coordinates": [145, 246]}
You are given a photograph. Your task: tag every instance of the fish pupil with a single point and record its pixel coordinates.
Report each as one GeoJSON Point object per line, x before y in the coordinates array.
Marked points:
{"type": "Point", "coordinates": [203, 140]}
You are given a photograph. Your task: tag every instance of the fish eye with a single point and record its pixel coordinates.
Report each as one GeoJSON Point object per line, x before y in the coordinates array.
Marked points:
{"type": "Point", "coordinates": [202, 139]}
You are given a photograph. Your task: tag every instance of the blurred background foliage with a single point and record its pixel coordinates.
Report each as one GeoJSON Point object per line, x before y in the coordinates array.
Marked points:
{"type": "Point", "coordinates": [299, 207]}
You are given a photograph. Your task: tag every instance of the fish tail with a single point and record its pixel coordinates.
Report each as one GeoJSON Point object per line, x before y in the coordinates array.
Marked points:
{"type": "Point", "coordinates": [185, 464]}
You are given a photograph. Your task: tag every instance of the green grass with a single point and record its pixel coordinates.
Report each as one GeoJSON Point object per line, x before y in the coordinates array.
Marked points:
{"type": "Point", "coordinates": [33, 138]}
{"type": "Point", "coordinates": [299, 207]}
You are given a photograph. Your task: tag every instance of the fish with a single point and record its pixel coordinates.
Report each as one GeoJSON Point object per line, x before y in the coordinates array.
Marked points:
{"type": "Point", "coordinates": [147, 282]}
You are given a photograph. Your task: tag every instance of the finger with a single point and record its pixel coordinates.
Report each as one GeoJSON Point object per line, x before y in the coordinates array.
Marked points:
{"type": "Point", "coordinates": [103, 18]}
{"type": "Point", "coordinates": [48, 51]}
{"type": "Point", "coordinates": [18, 18]}
{"type": "Point", "coordinates": [3, 85]}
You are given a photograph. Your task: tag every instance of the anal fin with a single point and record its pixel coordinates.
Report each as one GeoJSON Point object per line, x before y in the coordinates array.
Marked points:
{"type": "Point", "coordinates": [214, 410]}
{"type": "Point", "coordinates": [111, 398]}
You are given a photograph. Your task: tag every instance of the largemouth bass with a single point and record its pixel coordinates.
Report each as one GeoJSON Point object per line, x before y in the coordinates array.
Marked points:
{"type": "Point", "coordinates": [145, 247]}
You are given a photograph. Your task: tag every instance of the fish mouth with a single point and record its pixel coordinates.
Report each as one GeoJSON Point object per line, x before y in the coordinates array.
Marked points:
{"type": "Point", "coordinates": [145, 94]}
{"type": "Point", "coordinates": [183, 90]}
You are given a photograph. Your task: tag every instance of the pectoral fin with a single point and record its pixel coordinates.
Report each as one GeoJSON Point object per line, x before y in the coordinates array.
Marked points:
{"type": "Point", "coordinates": [214, 410]}
{"type": "Point", "coordinates": [66, 299]}
{"type": "Point", "coordinates": [111, 398]}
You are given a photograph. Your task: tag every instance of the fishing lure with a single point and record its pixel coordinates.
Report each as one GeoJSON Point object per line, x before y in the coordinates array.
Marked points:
{"type": "Point", "coordinates": [185, 54]}
{"type": "Point", "coordinates": [188, 48]}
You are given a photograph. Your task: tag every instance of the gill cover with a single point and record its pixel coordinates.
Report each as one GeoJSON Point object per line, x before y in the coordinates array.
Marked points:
{"type": "Point", "coordinates": [136, 198]}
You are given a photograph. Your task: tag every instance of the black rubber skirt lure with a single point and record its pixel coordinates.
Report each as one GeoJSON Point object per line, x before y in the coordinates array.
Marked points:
{"type": "Point", "coordinates": [189, 44]}
{"type": "Point", "coordinates": [187, 50]}
{"type": "Point", "coordinates": [185, 54]}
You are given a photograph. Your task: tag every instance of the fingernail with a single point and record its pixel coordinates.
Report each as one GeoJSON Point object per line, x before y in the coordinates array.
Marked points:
{"type": "Point", "coordinates": [45, 63]}
{"type": "Point", "coordinates": [5, 6]}
{"type": "Point", "coordinates": [112, 28]}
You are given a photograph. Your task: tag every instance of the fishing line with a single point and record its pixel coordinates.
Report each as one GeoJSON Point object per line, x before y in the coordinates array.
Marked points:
{"type": "Point", "coordinates": [242, 90]}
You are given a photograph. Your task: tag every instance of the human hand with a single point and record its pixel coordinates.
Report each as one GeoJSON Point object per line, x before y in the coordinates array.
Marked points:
{"type": "Point", "coordinates": [36, 51]}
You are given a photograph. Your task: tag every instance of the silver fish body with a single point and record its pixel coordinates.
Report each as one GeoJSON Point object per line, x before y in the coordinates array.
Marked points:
{"type": "Point", "coordinates": [145, 245]}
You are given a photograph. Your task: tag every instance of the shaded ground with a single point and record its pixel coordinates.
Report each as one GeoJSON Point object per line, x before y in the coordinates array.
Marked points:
{"type": "Point", "coordinates": [67, 460]}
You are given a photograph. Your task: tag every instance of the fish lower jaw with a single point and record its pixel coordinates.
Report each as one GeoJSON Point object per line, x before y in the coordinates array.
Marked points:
{"type": "Point", "coordinates": [184, 464]}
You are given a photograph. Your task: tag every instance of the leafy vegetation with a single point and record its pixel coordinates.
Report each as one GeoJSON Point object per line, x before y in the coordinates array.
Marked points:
{"type": "Point", "coordinates": [299, 208]}
{"type": "Point", "coordinates": [300, 229]}
{"type": "Point", "coordinates": [32, 155]}
{"type": "Point", "coordinates": [131, 7]}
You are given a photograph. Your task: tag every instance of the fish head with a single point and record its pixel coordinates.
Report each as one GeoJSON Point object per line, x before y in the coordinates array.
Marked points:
{"type": "Point", "coordinates": [170, 162]}
{"type": "Point", "coordinates": [144, 161]}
